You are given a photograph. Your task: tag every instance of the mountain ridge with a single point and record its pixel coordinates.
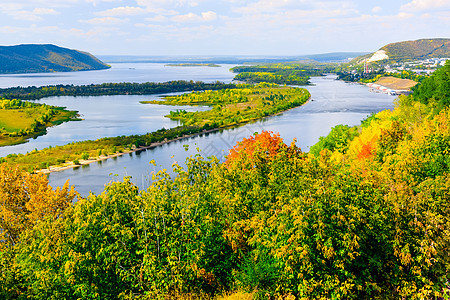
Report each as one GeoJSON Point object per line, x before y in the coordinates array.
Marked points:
{"type": "Point", "coordinates": [418, 49]}
{"type": "Point", "coordinates": [409, 50]}
{"type": "Point", "coordinates": [37, 58]}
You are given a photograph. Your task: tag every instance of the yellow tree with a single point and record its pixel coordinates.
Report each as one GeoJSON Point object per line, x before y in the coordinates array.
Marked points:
{"type": "Point", "coordinates": [25, 199]}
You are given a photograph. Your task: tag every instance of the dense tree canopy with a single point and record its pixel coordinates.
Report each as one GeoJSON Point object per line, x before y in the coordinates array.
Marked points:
{"type": "Point", "coordinates": [435, 88]}
{"type": "Point", "coordinates": [365, 216]}
{"type": "Point", "coordinates": [122, 88]}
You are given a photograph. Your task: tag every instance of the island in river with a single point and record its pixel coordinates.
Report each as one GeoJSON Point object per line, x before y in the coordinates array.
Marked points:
{"type": "Point", "coordinates": [20, 120]}
{"type": "Point", "coordinates": [230, 108]}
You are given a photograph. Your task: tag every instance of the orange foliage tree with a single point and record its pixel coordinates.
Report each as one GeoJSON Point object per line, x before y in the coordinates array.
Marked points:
{"type": "Point", "coordinates": [260, 148]}
{"type": "Point", "coordinates": [25, 199]}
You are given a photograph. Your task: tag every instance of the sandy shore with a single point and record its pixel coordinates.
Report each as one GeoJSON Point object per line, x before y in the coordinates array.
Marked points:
{"type": "Point", "coordinates": [70, 165]}
{"type": "Point", "coordinates": [396, 83]}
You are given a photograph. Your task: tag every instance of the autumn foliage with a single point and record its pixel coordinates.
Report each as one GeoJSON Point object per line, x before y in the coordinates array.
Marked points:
{"type": "Point", "coordinates": [362, 218]}
{"type": "Point", "coordinates": [264, 145]}
{"type": "Point", "coordinates": [26, 199]}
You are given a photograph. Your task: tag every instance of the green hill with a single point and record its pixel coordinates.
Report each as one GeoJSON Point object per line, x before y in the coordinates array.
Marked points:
{"type": "Point", "coordinates": [46, 58]}
{"type": "Point", "coordinates": [419, 49]}
{"type": "Point", "coordinates": [410, 50]}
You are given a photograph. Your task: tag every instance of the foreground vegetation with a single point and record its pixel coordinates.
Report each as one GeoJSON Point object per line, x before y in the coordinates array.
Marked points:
{"type": "Point", "coordinates": [364, 216]}
{"type": "Point", "coordinates": [230, 107]}
{"type": "Point", "coordinates": [21, 120]}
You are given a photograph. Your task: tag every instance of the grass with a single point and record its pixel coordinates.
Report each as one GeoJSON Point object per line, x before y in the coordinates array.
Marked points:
{"type": "Point", "coordinates": [9, 141]}
{"type": "Point", "coordinates": [17, 125]}
{"type": "Point", "coordinates": [13, 120]}
{"type": "Point", "coordinates": [237, 105]}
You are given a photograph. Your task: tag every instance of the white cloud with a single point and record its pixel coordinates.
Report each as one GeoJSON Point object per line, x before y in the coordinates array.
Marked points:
{"type": "Point", "coordinates": [191, 17]}
{"type": "Point", "coordinates": [95, 2]}
{"type": "Point", "coordinates": [403, 15]}
{"type": "Point", "coordinates": [376, 9]}
{"type": "Point", "coordinates": [209, 16]}
{"type": "Point", "coordinates": [174, 33]}
{"type": "Point", "coordinates": [123, 11]}
{"type": "Point", "coordinates": [63, 3]}
{"type": "Point", "coordinates": [104, 21]}
{"type": "Point", "coordinates": [17, 12]}
{"type": "Point", "coordinates": [25, 16]}
{"type": "Point", "coordinates": [422, 5]}
{"type": "Point", "coordinates": [273, 7]}
{"type": "Point", "coordinates": [40, 34]}
{"type": "Point", "coordinates": [45, 11]}
{"type": "Point", "coordinates": [6, 7]}
{"type": "Point", "coordinates": [168, 3]}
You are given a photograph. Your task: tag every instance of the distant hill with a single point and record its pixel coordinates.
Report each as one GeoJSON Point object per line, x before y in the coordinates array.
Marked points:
{"type": "Point", "coordinates": [32, 58]}
{"type": "Point", "coordinates": [233, 59]}
{"type": "Point", "coordinates": [410, 50]}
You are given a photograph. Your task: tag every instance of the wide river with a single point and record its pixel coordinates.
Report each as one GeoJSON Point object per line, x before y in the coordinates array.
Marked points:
{"type": "Point", "coordinates": [333, 102]}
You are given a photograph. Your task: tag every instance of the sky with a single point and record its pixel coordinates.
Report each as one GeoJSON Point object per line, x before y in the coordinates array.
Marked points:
{"type": "Point", "coordinates": [221, 27]}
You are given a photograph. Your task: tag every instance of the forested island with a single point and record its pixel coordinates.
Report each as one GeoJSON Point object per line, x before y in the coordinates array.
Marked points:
{"type": "Point", "coordinates": [364, 215]}
{"type": "Point", "coordinates": [280, 73]}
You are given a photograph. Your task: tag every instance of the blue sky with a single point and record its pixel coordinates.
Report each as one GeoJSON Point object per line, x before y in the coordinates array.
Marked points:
{"type": "Point", "coordinates": [221, 27]}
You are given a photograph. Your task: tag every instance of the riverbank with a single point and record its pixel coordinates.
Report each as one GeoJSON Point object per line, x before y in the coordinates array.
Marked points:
{"type": "Point", "coordinates": [81, 162]}
{"type": "Point", "coordinates": [392, 85]}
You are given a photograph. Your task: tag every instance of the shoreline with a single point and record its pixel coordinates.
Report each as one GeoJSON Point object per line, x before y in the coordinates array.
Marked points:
{"type": "Point", "coordinates": [71, 165]}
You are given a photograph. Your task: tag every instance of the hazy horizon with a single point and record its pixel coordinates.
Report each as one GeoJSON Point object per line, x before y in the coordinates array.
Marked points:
{"type": "Point", "coordinates": [222, 27]}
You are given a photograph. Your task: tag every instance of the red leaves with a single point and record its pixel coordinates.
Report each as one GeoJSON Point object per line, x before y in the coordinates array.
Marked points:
{"type": "Point", "coordinates": [367, 151]}
{"type": "Point", "coordinates": [264, 145]}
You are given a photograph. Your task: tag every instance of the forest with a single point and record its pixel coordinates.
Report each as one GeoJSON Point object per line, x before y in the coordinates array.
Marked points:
{"type": "Point", "coordinates": [364, 215]}
{"type": "Point", "coordinates": [121, 88]}
{"type": "Point", "coordinates": [281, 73]}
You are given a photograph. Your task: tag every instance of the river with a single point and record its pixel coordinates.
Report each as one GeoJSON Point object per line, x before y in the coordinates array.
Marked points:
{"type": "Point", "coordinates": [333, 102]}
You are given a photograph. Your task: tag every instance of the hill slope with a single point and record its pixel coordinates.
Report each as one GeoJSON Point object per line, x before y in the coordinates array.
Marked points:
{"type": "Point", "coordinates": [419, 49]}
{"type": "Point", "coordinates": [46, 58]}
{"type": "Point", "coordinates": [410, 50]}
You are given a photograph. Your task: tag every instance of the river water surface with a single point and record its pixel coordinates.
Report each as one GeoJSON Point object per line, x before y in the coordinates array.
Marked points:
{"type": "Point", "coordinates": [333, 102]}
